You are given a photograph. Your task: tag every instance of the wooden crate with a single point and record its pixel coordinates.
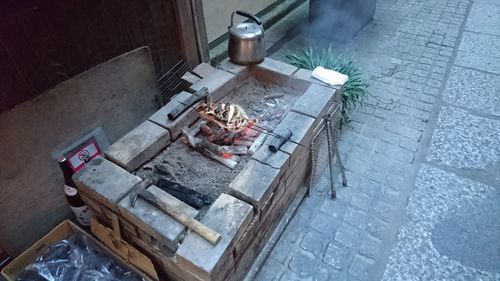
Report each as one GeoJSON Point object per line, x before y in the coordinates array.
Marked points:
{"type": "Point", "coordinates": [60, 232]}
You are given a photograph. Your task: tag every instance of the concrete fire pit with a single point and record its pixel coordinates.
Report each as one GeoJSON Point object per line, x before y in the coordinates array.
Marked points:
{"type": "Point", "coordinates": [248, 203]}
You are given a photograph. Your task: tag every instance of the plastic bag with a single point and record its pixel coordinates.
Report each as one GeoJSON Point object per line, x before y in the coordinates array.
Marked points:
{"type": "Point", "coordinates": [76, 259]}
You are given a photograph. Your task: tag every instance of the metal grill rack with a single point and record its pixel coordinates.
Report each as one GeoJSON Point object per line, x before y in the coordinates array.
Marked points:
{"type": "Point", "coordinates": [325, 153]}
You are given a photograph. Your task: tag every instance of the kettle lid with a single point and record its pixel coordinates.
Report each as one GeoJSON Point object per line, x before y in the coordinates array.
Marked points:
{"type": "Point", "coordinates": [247, 30]}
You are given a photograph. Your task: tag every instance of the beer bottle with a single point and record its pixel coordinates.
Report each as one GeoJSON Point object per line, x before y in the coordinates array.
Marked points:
{"type": "Point", "coordinates": [79, 208]}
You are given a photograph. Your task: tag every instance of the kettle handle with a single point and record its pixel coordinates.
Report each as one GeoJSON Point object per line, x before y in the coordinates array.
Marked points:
{"type": "Point", "coordinates": [246, 14]}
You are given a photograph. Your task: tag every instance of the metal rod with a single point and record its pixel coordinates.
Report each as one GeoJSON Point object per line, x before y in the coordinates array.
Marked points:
{"type": "Point", "coordinates": [330, 155]}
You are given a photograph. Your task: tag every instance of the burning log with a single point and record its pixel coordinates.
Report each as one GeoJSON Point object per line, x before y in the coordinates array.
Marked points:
{"type": "Point", "coordinates": [257, 143]}
{"type": "Point", "coordinates": [208, 149]}
{"type": "Point", "coordinates": [235, 149]}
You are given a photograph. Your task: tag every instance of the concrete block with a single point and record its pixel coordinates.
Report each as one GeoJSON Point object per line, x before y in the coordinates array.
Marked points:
{"type": "Point", "coordinates": [315, 101]}
{"type": "Point", "coordinates": [229, 217]}
{"type": "Point", "coordinates": [185, 119]}
{"type": "Point", "coordinates": [255, 183]}
{"type": "Point", "coordinates": [273, 71]}
{"type": "Point", "coordinates": [204, 69]}
{"type": "Point", "coordinates": [189, 79]}
{"type": "Point", "coordinates": [301, 127]}
{"type": "Point", "coordinates": [219, 84]}
{"type": "Point", "coordinates": [105, 181]}
{"type": "Point", "coordinates": [138, 146]}
{"type": "Point", "coordinates": [303, 78]}
{"type": "Point", "coordinates": [241, 71]}
{"type": "Point", "coordinates": [155, 222]}
{"type": "Point", "coordinates": [276, 160]}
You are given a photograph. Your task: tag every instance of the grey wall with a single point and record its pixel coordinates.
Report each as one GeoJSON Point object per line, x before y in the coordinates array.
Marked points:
{"type": "Point", "coordinates": [117, 95]}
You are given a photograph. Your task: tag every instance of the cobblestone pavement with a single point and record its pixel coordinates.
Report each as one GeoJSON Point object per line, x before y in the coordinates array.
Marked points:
{"type": "Point", "coordinates": [422, 156]}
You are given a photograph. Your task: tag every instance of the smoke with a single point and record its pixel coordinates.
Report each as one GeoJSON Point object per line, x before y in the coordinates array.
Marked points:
{"type": "Point", "coordinates": [339, 20]}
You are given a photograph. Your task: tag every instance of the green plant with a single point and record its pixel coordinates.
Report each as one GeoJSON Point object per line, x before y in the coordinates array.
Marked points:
{"type": "Point", "coordinates": [354, 89]}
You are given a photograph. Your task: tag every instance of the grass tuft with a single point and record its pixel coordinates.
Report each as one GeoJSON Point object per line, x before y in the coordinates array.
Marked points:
{"type": "Point", "coordinates": [354, 89]}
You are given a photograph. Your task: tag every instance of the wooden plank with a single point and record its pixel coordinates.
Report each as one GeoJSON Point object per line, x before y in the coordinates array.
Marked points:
{"type": "Point", "coordinates": [45, 49]}
{"type": "Point", "coordinates": [115, 22]}
{"type": "Point", "coordinates": [123, 249]}
{"type": "Point", "coordinates": [99, 30]}
{"type": "Point", "coordinates": [131, 22]}
{"type": "Point", "coordinates": [55, 17]}
{"type": "Point", "coordinates": [186, 30]}
{"type": "Point", "coordinates": [149, 33]}
{"type": "Point", "coordinates": [200, 30]}
{"type": "Point", "coordinates": [12, 85]}
{"type": "Point", "coordinates": [60, 232]}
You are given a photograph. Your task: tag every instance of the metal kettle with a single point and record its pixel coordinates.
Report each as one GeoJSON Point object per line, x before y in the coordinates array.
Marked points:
{"type": "Point", "coordinates": [246, 40]}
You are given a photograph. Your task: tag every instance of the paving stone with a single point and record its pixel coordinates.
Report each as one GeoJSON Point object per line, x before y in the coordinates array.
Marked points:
{"type": "Point", "coordinates": [155, 222]}
{"type": "Point", "coordinates": [370, 246]}
{"type": "Point", "coordinates": [347, 235]}
{"type": "Point", "coordinates": [138, 146]}
{"type": "Point", "coordinates": [361, 267]}
{"type": "Point", "coordinates": [377, 228]}
{"type": "Point", "coordinates": [482, 14]}
{"type": "Point", "coordinates": [463, 140]}
{"type": "Point", "coordinates": [361, 201]}
{"type": "Point", "coordinates": [105, 181]}
{"type": "Point", "coordinates": [185, 119]}
{"type": "Point", "coordinates": [270, 271]}
{"type": "Point", "coordinates": [290, 276]}
{"type": "Point", "coordinates": [336, 255]}
{"type": "Point", "coordinates": [383, 211]}
{"type": "Point", "coordinates": [474, 90]}
{"type": "Point", "coordinates": [254, 183]}
{"type": "Point", "coordinates": [490, 44]}
{"type": "Point", "coordinates": [408, 144]}
{"type": "Point", "coordinates": [302, 265]}
{"type": "Point", "coordinates": [313, 242]}
{"type": "Point", "coordinates": [355, 217]}
{"type": "Point", "coordinates": [324, 223]}
{"type": "Point", "coordinates": [229, 217]}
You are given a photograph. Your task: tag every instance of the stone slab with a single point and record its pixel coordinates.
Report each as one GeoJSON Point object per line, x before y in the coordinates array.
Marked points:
{"type": "Point", "coordinates": [228, 216]}
{"type": "Point", "coordinates": [273, 71]}
{"type": "Point", "coordinates": [474, 90]}
{"type": "Point", "coordinates": [275, 160]}
{"type": "Point", "coordinates": [481, 62]}
{"type": "Point", "coordinates": [106, 181]}
{"type": "Point", "coordinates": [438, 198]}
{"type": "Point", "coordinates": [301, 127]}
{"type": "Point", "coordinates": [155, 222]}
{"type": "Point", "coordinates": [138, 146]}
{"type": "Point", "coordinates": [483, 14]}
{"type": "Point", "coordinates": [315, 101]}
{"type": "Point", "coordinates": [185, 119]}
{"type": "Point", "coordinates": [463, 140]}
{"type": "Point", "coordinates": [241, 71]}
{"type": "Point", "coordinates": [254, 184]}
{"type": "Point", "coordinates": [204, 69]}
{"type": "Point", "coordinates": [219, 83]}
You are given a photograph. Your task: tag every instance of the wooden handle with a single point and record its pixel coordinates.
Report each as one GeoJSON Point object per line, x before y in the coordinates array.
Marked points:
{"type": "Point", "coordinates": [196, 226]}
